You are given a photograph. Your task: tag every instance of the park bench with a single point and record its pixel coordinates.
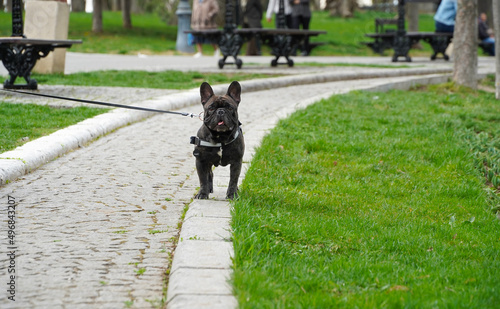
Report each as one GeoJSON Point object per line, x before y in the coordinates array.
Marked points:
{"type": "Point", "coordinates": [381, 22]}
{"type": "Point", "coordinates": [283, 42]}
{"type": "Point", "coordinates": [20, 54]}
{"type": "Point", "coordinates": [401, 41]}
{"type": "Point", "coordinates": [382, 43]}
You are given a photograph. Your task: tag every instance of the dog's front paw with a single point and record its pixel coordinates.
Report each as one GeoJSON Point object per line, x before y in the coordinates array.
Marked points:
{"type": "Point", "coordinates": [201, 196]}
{"type": "Point", "coordinates": [232, 194]}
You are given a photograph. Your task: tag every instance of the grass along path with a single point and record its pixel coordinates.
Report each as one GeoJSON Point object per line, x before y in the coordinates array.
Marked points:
{"type": "Point", "coordinates": [373, 200]}
{"type": "Point", "coordinates": [142, 79]}
{"type": "Point", "coordinates": [21, 123]}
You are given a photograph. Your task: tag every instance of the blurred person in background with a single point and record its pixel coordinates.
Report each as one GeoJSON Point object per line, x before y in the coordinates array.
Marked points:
{"type": "Point", "coordinates": [203, 18]}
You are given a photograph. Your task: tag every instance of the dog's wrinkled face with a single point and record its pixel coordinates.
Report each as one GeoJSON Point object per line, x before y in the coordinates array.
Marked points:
{"type": "Point", "coordinates": [221, 112]}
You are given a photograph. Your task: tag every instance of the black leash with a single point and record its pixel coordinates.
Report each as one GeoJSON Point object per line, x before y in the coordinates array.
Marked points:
{"type": "Point", "coordinates": [104, 103]}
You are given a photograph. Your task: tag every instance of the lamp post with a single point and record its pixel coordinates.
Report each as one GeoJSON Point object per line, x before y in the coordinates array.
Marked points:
{"type": "Point", "coordinates": [183, 23]}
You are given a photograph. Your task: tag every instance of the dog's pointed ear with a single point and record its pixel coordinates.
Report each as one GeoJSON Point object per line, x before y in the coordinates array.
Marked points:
{"type": "Point", "coordinates": [234, 91]}
{"type": "Point", "coordinates": [205, 92]}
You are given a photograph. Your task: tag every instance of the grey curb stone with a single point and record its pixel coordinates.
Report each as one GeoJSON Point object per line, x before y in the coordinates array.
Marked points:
{"type": "Point", "coordinates": [201, 268]}
{"type": "Point", "coordinates": [217, 255]}
{"type": "Point", "coordinates": [204, 301]}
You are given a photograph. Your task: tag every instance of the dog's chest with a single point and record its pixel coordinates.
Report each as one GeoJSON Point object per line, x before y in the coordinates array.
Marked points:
{"type": "Point", "coordinates": [215, 155]}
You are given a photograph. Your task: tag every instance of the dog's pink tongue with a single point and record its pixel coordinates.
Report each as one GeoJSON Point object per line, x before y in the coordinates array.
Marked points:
{"type": "Point", "coordinates": [221, 123]}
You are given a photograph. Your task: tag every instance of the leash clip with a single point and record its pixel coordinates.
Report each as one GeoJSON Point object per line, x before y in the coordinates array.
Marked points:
{"type": "Point", "coordinates": [193, 115]}
{"type": "Point", "coordinates": [195, 140]}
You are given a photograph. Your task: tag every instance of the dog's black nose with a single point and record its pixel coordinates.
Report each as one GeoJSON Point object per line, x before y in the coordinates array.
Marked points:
{"type": "Point", "coordinates": [220, 112]}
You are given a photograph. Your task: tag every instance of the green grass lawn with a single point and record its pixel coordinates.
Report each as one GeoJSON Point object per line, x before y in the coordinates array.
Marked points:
{"type": "Point", "coordinates": [149, 35]}
{"type": "Point", "coordinates": [142, 79]}
{"type": "Point", "coordinates": [20, 123]}
{"type": "Point", "coordinates": [374, 200]}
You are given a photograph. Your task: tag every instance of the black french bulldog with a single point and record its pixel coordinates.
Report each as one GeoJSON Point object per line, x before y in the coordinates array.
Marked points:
{"type": "Point", "coordinates": [219, 141]}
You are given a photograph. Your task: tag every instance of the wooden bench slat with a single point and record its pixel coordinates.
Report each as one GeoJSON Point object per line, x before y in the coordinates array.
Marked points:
{"type": "Point", "coordinates": [25, 41]}
{"type": "Point", "coordinates": [260, 30]}
{"type": "Point", "coordinates": [409, 34]}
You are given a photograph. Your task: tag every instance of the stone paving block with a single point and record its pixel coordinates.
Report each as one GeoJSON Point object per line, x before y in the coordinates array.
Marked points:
{"type": "Point", "coordinates": [199, 282]}
{"type": "Point", "coordinates": [203, 302]}
{"type": "Point", "coordinates": [206, 228]}
{"type": "Point", "coordinates": [209, 208]}
{"type": "Point", "coordinates": [202, 254]}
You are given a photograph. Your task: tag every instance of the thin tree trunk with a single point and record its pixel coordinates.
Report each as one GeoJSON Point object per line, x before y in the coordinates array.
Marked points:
{"type": "Point", "coordinates": [345, 9]}
{"type": "Point", "coordinates": [8, 6]}
{"type": "Point", "coordinates": [496, 26]}
{"type": "Point", "coordinates": [97, 16]}
{"type": "Point", "coordinates": [127, 20]}
{"type": "Point", "coordinates": [412, 13]}
{"type": "Point", "coordinates": [136, 8]}
{"type": "Point", "coordinates": [465, 44]}
{"type": "Point", "coordinates": [78, 5]}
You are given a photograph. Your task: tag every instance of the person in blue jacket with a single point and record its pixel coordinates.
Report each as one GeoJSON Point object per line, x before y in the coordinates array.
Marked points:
{"type": "Point", "coordinates": [445, 16]}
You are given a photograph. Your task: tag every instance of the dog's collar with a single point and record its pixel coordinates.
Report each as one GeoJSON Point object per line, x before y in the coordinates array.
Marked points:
{"type": "Point", "coordinates": [195, 140]}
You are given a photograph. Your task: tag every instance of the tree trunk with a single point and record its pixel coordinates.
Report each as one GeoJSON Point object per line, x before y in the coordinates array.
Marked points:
{"type": "Point", "coordinates": [97, 16]}
{"type": "Point", "coordinates": [412, 13]}
{"type": "Point", "coordinates": [496, 26]}
{"type": "Point", "coordinates": [136, 8]}
{"type": "Point", "coordinates": [333, 7]}
{"type": "Point", "coordinates": [78, 5]}
{"type": "Point", "coordinates": [465, 44]}
{"type": "Point", "coordinates": [345, 9]}
{"type": "Point", "coordinates": [105, 5]}
{"type": "Point", "coordinates": [8, 6]}
{"type": "Point", "coordinates": [127, 20]}
{"type": "Point", "coordinates": [315, 5]}
{"type": "Point", "coordinates": [116, 5]}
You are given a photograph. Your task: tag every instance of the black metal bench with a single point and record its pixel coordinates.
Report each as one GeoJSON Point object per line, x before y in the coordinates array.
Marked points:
{"type": "Point", "coordinates": [20, 54]}
{"type": "Point", "coordinates": [381, 22]}
{"type": "Point", "coordinates": [381, 43]}
{"type": "Point", "coordinates": [401, 41]}
{"type": "Point", "coordinates": [230, 39]}
{"type": "Point", "coordinates": [439, 41]}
